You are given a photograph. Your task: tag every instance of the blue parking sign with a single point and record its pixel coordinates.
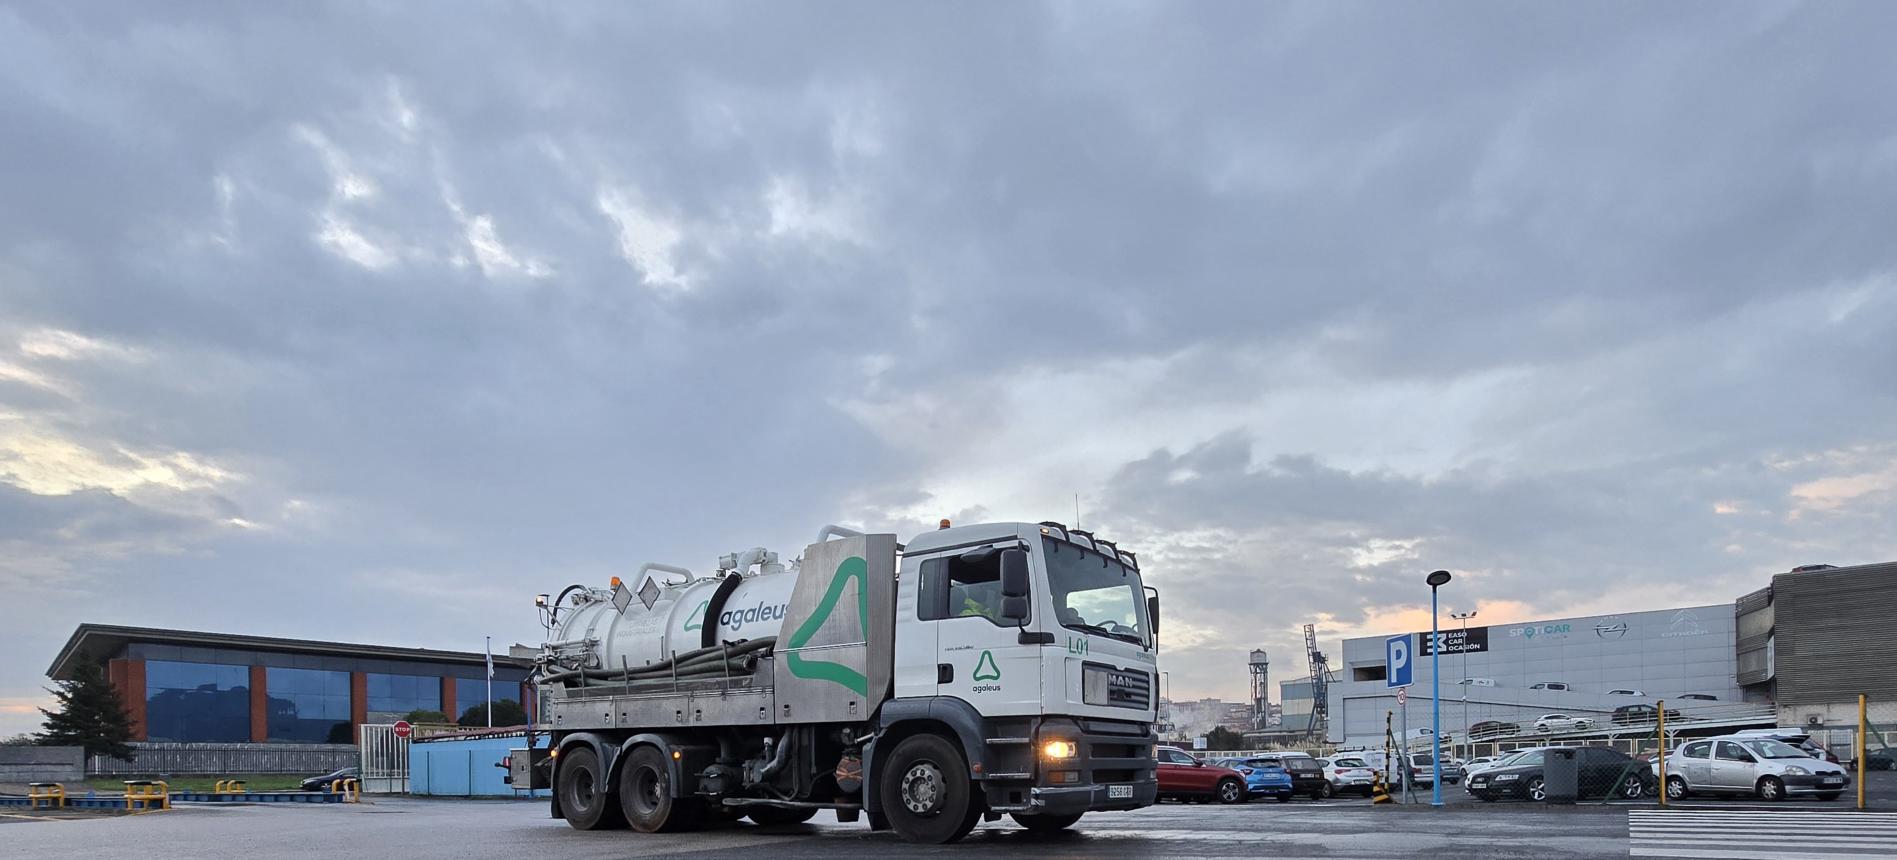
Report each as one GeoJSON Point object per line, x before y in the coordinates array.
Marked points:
{"type": "Point", "coordinates": [1397, 664]}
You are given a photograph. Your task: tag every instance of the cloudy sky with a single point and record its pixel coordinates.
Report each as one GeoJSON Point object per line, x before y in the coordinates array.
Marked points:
{"type": "Point", "coordinates": [368, 322]}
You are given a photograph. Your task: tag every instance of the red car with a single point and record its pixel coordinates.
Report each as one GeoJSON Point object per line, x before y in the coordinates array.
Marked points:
{"type": "Point", "coordinates": [1183, 777]}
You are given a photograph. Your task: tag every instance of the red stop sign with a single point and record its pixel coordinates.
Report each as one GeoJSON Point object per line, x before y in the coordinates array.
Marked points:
{"type": "Point", "coordinates": [403, 729]}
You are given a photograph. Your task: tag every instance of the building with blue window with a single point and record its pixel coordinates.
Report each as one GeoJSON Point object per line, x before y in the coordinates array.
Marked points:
{"type": "Point", "coordinates": [191, 687]}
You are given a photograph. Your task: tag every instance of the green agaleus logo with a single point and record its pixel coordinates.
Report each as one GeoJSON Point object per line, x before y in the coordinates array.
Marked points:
{"type": "Point", "coordinates": [852, 568]}
{"type": "Point", "coordinates": [985, 668]}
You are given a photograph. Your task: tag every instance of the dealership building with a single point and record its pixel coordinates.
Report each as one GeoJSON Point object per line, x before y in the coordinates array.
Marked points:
{"type": "Point", "coordinates": [217, 688]}
{"type": "Point", "coordinates": [1796, 653]}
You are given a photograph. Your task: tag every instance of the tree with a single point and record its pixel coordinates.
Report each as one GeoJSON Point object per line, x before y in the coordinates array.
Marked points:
{"type": "Point", "coordinates": [507, 712]}
{"type": "Point", "coordinates": [436, 718]}
{"type": "Point", "coordinates": [19, 741]}
{"type": "Point", "coordinates": [90, 715]}
{"type": "Point", "coordinates": [1222, 738]}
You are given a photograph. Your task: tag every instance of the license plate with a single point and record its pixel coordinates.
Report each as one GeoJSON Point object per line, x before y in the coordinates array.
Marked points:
{"type": "Point", "coordinates": [1119, 792]}
{"type": "Point", "coordinates": [1834, 780]}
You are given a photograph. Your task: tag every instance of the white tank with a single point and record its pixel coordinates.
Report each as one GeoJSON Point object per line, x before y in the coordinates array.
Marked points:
{"type": "Point", "coordinates": [675, 623]}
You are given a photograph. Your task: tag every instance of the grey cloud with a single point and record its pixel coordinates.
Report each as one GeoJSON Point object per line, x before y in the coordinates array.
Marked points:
{"type": "Point", "coordinates": [1618, 212]}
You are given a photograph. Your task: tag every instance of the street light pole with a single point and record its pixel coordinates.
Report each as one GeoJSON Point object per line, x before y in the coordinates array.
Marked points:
{"type": "Point", "coordinates": [1464, 618]}
{"type": "Point", "coordinates": [1436, 580]}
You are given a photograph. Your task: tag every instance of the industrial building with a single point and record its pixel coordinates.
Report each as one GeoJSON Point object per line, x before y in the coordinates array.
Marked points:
{"type": "Point", "coordinates": [1519, 672]}
{"type": "Point", "coordinates": [1798, 652]}
{"type": "Point", "coordinates": [217, 688]}
{"type": "Point", "coordinates": [1816, 639]}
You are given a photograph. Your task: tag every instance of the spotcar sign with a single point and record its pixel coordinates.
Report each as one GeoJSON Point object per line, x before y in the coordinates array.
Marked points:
{"type": "Point", "coordinates": [1397, 665]}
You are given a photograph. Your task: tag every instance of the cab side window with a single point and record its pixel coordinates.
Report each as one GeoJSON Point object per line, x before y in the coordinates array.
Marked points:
{"type": "Point", "coordinates": [961, 587]}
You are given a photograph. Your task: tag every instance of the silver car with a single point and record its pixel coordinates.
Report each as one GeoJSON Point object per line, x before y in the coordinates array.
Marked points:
{"type": "Point", "coordinates": [1772, 770]}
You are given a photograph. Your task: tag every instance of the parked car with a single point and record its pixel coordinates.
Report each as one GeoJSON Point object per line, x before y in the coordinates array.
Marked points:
{"type": "Point", "coordinates": [1263, 777]}
{"type": "Point", "coordinates": [322, 783]}
{"type": "Point", "coordinates": [1640, 715]}
{"type": "Point", "coordinates": [1548, 723]}
{"type": "Point", "coordinates": [1307, 776]}
{"type": "Point", "coordinates": [1491, 729]}
{"type": "Point", "coordinates": [1601, 772]}
{"type": "Point", "coordinates": [1348, 774]}
{"type": "Point", "coordinates": [1699, 697]}
{"type": "Point", "coordinates": [1422, 771]}
{"type": "Point", "coordinates": [1884, 759]}
{"type": "Point", "coordinates": [1183, 777]}
{"type": "Point", "coordinates": [1479, 682]}
{"type": "Point", "coordinates": [1557, 686]}
{"type": "Point", "coordinates": [1767, 768]}
{"type": "Point", "coordinates": [1795, 737]}
{"type": "Point", "coordinates": [1626, 693]}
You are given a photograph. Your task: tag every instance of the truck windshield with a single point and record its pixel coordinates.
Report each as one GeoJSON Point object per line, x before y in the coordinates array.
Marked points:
{"type": "Point", "coordinates": [1095, 594]}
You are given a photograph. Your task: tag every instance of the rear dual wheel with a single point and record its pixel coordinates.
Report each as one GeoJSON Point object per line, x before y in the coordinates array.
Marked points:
{"type": "Point", "coordinates": [586, 798]}
{"type": "Point", "coordinates": [645, 795]}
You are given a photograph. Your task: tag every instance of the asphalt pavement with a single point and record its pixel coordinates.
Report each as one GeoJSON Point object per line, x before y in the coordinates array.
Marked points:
{"type": "Point", "coordinates": [414, 828]}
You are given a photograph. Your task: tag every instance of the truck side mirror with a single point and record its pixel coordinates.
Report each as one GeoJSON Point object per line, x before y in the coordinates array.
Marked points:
{"type": "Point", "coordinates": [1014, 609]}
{"type": "Point", "coordinates": [1014, 573]}
{"type": "Point", "coordinates": [1152, 612]}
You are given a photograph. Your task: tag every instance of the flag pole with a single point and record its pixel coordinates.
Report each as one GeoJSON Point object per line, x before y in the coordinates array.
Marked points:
{"type": "Point", "coordinates": [490, 682]}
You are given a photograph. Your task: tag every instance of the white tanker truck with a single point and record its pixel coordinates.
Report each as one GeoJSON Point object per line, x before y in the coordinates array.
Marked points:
{"type": "Point", "coordinates": [977, 671]}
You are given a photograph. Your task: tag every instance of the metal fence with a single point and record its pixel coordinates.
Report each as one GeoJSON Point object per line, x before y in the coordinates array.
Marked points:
{"type": "Point", "coordinates": [222, 759]}
{"type": "Point", "coordinates": [384, 759]}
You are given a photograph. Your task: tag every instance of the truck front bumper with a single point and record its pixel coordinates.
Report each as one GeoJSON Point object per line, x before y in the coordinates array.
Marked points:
{"type": "Point", "coordinates": [1093, 798]}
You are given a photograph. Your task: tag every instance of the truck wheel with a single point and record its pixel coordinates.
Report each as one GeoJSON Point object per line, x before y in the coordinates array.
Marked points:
{"type": "Point", "coordinates": [645, 794]}
{"type": "Point", "coordinates": [585, 796]}
{"type": "Point", "coordinates": [768, 816]}
{"type": "Point", "coordinates": [1046, 823]}
{"type": "Point", "coordinates": [926, 791]}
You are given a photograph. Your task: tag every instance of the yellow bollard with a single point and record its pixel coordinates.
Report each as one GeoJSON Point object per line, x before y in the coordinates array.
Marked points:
{"type": "Point", "coordinates": [1379, 793]}
{"type": "Point", "coordinates": [147, 793]}
{"type": "Point", "coordinates": [52, 792]}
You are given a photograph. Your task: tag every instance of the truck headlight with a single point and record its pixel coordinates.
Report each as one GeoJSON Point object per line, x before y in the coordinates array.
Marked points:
{"type": "Point", "coordinates": [1795, 770]}
{"type": "Point", "coordinates": [1059, 749]}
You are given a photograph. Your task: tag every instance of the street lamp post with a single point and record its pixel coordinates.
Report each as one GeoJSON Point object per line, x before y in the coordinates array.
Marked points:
{"type": "Point", "coordinates": [1436, 580]}
{"type": "Point", "coordinates": [1464, 618]}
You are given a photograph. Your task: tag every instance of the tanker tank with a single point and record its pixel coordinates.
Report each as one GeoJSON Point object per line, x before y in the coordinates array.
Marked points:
{"type": "Point", "coordinates": [694, 627]}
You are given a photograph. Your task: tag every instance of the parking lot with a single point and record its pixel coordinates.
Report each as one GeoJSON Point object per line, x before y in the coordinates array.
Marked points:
{"type": "Point", "coordinates": [417, 828]}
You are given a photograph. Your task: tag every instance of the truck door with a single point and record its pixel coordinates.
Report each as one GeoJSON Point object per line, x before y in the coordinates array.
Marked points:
{"type": "Point", "coordinates": [979, 658]}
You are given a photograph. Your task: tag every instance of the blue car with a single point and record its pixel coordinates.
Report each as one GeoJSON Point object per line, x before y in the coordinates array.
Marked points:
{"type": "Point", "coordinates": [1263, 777]}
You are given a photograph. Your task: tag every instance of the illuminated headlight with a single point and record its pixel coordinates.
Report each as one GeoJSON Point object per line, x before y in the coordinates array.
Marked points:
{"type": "Point", "coordinates": [1795, 770]}
{"type": "Point", "coordinates": [1058, 749]}
{"type": "Point", "coordinates": [1505, 777]}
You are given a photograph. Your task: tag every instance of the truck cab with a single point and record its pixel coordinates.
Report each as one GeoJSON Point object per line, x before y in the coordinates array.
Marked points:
{"type": "Point", "coordinates": [1059, 679]}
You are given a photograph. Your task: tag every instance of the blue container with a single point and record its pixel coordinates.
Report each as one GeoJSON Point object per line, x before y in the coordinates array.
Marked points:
{"type": "Point", "coordinates": [466, 766]}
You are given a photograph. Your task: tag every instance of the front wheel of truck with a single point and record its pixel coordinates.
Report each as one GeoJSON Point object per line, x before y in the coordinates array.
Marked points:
{"type": "Point", "coordinates": [1046, 823]}
{"type": "Point", "coordinates": [926, 791]}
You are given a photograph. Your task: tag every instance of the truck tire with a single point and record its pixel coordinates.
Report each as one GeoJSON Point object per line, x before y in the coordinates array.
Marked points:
{"type": "Point", "coordinates": [926, 791]}
{"type": "Point", "coordinates": [645, 794]}
{"type": "Point", "coordinates": [586, 798]}
{"type": "Point", "coordinates": [769, 816]}
{"type": "Point", "coordinates": [1046, 823]}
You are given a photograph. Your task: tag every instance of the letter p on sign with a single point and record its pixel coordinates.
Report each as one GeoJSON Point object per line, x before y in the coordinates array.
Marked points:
{"type": "Point", "coordinates": [1396, 661]}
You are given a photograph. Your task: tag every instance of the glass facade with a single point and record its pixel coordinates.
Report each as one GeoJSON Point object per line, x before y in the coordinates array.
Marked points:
{"type": "Point", "coordinates": [309, 706]}
{"type": "Point", "coordinates": [392, 696]}
{"type": "Point", "coordinates": [470, 692]}
{"type": "Point", "coordinates": [197, 702]}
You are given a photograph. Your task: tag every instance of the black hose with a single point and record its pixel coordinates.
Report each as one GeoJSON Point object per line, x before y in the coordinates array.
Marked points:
{"type": "Point", "coordinates": [553, 618]}
{"type": "Point", "coordinates": [690, 662]}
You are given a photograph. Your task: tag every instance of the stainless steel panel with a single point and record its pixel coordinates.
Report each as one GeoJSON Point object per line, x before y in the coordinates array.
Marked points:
{"type": "Point", "coordinates": [845, 591]}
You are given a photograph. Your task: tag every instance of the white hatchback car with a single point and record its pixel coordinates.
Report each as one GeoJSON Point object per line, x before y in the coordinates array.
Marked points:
{"type": "Point", "coordinates": [1772, 770]}
{"type": "Point", "coordinates": [1562, 723]}
{"type": "Point", "coordinates": [1348, 773]}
